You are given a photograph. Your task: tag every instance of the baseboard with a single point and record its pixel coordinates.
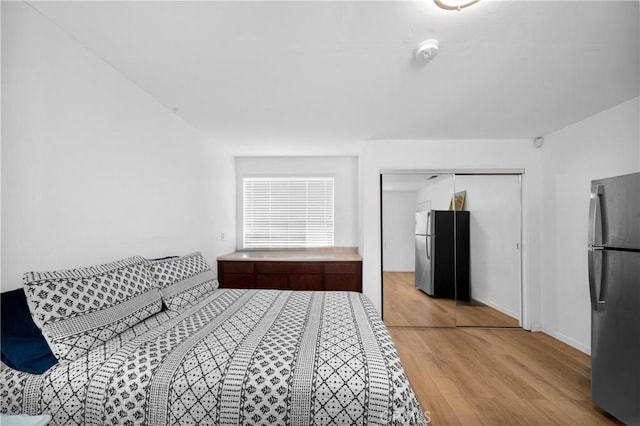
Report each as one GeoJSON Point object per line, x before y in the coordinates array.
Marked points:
{"type": "Point", "coordinates": [500, 309]}
{"type": "Point", "coordinates": [536, 327]}
{"type": "Point", "coordinates": [569, 341]}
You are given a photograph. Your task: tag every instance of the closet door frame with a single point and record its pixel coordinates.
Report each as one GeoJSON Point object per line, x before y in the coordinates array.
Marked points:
{"type": "Point", "coordinates": [525, 288]}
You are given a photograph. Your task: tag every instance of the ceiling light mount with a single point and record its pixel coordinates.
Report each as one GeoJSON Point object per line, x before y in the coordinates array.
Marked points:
{"type": "Point", "coordinates": [427, 50]}
{"type": "Point", "coordinates": [454, 4]}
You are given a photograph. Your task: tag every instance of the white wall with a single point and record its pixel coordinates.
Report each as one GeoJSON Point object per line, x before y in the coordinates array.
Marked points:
{"type": "Point", "coordinates": [437, 195]}
{"type": "Point", "coordinates": [495, 217]}
{"type": "Point", "coordinates": [93, 168]}
{"type": "Point", "coordinates": [398, 221]}
{"type": "Point", "coordinates": [607, 144]}
{"type": "Point", "coordinates": [453, 155]}
{"type": "Point", "coordinates": [343, 169]}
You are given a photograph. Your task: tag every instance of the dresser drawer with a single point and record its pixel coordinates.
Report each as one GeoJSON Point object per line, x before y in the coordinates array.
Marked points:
{"type": "Point", "coordinates": [339, 282]}
{"type": "Point", "coordinates": [236, 281]}
{"type": "Point", "coordinates": [341, 267]}
{"type": "Point", "coordinates": [288, 268]}
{"type": "Point", "coordinates": [278, 281]}
{"type": "Point", "coordinates": [305, 282]}
{"type": "Point", "coordinates": [236, 267]}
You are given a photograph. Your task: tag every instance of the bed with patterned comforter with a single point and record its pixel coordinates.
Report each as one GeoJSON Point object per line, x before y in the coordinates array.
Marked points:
{"type": "Point", "coordinates": [234, 357]}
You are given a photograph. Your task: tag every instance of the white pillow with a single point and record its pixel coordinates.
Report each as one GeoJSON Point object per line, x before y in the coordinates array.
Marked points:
{"type": "Point", "coordinates": [80, 309]}
{"type": "Point", "coordinates": [183, 280]}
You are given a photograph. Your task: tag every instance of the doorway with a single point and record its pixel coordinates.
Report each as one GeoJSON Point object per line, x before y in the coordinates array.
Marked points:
{"type": "Point", "coordinates": [493, 276]}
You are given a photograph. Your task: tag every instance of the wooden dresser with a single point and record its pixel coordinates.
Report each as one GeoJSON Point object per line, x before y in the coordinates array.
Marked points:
{"type": "Point", "coordinates": [290, 272]}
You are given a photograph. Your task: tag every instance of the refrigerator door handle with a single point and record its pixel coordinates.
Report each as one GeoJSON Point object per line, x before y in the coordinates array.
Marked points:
{"type": "Point", "coordinates": [595, 215]}
{"type": "Point", "coordinates": [428, 235]}
{"type": "Point", "coordinates": [595, 279]}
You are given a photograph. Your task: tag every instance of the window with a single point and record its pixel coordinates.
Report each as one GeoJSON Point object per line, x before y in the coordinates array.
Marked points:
{"type": "Point", "coordinates": [288, 212]}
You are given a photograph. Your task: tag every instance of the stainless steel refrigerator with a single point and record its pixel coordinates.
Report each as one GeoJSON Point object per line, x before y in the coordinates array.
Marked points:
{"type": "Point", "coordinates": [442, 253]}
{"type": "Point", "coordinates": [614, 285]}
{"type": "Point", "coordinates": [423, 252]}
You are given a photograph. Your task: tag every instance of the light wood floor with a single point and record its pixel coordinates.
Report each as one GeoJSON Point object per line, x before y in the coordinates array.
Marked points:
{"type": "Point", "coordinates": [404, 305]}
{"type": "Point", "coordinates": [488, 376]}
{"type": "Point", "coordinates": [477, 376]}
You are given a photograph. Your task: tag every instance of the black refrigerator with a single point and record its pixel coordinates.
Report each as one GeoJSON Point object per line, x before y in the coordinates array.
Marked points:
{"type": "Point", "coordinates": [442, 253]}
{"type": "Point", "coordinates": [614, 285]}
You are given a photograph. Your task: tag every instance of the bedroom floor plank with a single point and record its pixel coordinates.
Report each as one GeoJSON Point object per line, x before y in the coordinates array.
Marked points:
{"type": "Point", "coordinates": [466, 413]}
{"type": "Point", "coordinates": [493, 411]}
{"type": "Point", "coordinates": [423, 383]}
{"type": "Point", "coordinates": [406, 306]}
{"type": "Point", "coordinates": [558, 416]}
{"type": "Point", "coordinates": [470, 383]}
{"type": "Point", "coordinates": [546, 381]}
{"type": "Point", "coordinates": [584, 413]}
{"type": "Point", "coordinates": [531, 414]}
{"type": "Point", "coordinates": [440, 411]}
{"type": "Point", "coordinates": [503, 383]}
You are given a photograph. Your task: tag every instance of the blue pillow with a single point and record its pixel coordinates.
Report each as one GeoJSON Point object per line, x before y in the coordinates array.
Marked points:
{"type": "Point", "coordinates": [22, 345]}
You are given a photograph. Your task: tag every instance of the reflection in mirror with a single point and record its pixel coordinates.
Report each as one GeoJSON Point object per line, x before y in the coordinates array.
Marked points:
{"type": "Point", "coordinates": [488, 252]}
{"type": "Point", "coordinates": [418, 279]}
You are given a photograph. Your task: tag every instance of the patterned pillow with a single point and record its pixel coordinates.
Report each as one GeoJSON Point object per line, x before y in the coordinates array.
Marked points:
{"type": "Point", "coordinates": [183, 280]}
{"type": "Point", "coordinates": [80, 309]}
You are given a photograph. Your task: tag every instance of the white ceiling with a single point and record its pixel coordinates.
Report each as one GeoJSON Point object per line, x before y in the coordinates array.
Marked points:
{"type": "Point", "coordinates": [329, 74]}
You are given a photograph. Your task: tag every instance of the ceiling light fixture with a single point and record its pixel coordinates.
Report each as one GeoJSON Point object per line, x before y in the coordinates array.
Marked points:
{"type": "Point", "coordinates": [454, 4]}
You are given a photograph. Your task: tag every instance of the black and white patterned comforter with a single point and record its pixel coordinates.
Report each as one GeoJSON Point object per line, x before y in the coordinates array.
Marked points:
{"type": "Point", "coordinates": [237, 357]}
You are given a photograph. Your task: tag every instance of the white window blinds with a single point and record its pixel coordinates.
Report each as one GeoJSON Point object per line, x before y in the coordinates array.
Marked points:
{"type": "Point", "coordinates": [288, 212]}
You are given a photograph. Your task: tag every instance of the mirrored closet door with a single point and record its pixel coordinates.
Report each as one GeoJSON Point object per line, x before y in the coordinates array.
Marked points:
{"type": "Point", "coordinates": [451, 249]}
{"type": "Point", "coordinates": [410, 217]}
{"type": "Point", "coordinates": [488, 251]}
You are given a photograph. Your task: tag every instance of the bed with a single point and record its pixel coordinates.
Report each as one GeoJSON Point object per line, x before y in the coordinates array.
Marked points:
{"type": "Point", "coordinates": [182, 351]}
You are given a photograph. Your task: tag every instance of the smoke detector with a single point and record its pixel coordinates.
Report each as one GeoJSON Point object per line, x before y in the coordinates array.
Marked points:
{"type": "Point", "coordinates": [427, 50]}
